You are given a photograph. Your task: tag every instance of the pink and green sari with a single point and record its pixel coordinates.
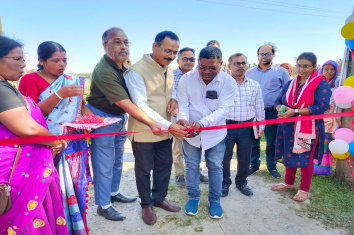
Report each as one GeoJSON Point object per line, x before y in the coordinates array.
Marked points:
{"type": "Point", "coordinates": [35, 189]}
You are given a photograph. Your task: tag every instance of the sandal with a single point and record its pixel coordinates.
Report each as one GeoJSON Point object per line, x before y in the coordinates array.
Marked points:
{"type": "Point", "coordinates": [283, 187]}
{"type": "Point", "coordinates": [299, 199]}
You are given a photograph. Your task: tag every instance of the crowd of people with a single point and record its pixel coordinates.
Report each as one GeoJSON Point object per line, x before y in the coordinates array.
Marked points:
{"type": "Point", "coordinates": [166, 110]}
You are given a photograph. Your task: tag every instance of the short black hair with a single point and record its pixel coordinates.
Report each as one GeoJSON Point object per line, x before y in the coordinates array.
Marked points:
{"type": "Point", "coordinates": [310, 56]}
{"type": "Point", "coordinates": [210, 52]}
{"type": "Point", "coordinates": [7, 45]}
{"type": "Point", "coordinates": [106, 34]}
{"type": "Point", "coordinates": [212, 42]}
{"type": "Point", "coordinates": [46, 50]}
{"type": "Point", "coordinates": [236, 55]}
{"type": "Point", "coordinates": [185, 49]}
{"type": "Point", "coordinates": [162, 35]}
{"type": "Point", "coordinates": [274, 47]}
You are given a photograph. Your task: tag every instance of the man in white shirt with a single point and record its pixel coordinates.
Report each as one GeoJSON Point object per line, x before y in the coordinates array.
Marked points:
{"type": "Point", "coordinates": [151, 86]}
{"type": "Point", "coordinates": [248, 104]}
{"type": "Point", "coordinates": [204, 97]}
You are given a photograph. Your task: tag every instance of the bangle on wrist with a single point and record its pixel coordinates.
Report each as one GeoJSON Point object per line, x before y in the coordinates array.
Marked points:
{"type": "Point", "coordinates": [56, 93]}
{"type": "Point", "coordinates": [296, 112]}
{"type": "Point", "coordinates": [201, 125]}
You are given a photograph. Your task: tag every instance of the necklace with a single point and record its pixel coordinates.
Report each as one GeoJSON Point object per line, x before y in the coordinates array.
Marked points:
{"type": "Point", "coordinates": [45, 77]}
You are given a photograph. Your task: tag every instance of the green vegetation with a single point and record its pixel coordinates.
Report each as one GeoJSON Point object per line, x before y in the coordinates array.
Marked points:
{"type": "Point", "coordinates": [331, 201]}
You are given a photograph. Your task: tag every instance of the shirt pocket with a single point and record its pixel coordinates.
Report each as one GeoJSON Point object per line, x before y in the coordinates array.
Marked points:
{"type": "Point", "coordinates": [251, 98]}
{"type": "Point", "coordinates": [212, 104]}
{"type": "Point", "coordinates": [273, 83]}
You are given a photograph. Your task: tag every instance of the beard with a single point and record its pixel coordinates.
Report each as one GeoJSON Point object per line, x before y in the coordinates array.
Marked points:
{"type": "Point", "coordinates": [122, 55]}
{"type": "Point", "coordinates": [266, 62]}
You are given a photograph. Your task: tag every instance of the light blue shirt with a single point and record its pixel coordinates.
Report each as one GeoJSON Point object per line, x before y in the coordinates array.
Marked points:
{"type": "Point", "coordinates": [272, 80]}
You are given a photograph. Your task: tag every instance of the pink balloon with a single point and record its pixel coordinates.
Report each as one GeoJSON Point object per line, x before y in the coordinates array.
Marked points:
{"type": "Point", "coordinates": [345, 134]}
{"type": "Point", "coordinates": [344, 94]}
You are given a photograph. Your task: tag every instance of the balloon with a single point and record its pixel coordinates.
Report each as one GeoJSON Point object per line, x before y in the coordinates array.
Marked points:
{"type": "Point", "coordinates": [350, 18]}
{"type": "Point", "coordinates": [349, 43]}
{"type": "Point", "coordinates": [351, 148]}
{"type": "Point", "coordinates": [343, 94]}
{"type": "Point", "coordinates": [348, 31]}
{"type": "Point", "coordinates": [344, 106]}
{"type": "Point", "coordinates": [338, 146]}
{"type": "Point", "coordinates": [345, 134]}
{"type": "Point", "coordinates": [341, 156]}
{"type": "Point", "coordinates": [349, 81]}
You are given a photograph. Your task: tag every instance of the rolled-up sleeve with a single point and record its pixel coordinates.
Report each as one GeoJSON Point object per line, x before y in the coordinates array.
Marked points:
{"type": "Point", "coordinates": [260, 114]}
{"type": "Point", "coordinates": [183, 100]}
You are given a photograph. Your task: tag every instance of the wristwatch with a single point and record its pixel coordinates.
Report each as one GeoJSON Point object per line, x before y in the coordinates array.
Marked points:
{"type": "Point", "coordinates": [296, 112]}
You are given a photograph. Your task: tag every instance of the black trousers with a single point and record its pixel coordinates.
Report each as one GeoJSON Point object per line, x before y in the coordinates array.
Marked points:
{"type": "Point", "coordinates": [157, 157]}
{"type": "Point", "coordinates": [243, 137]}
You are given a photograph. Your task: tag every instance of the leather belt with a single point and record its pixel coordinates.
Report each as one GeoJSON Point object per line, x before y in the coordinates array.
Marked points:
{"type": "Point", "coordinates": [228, 121]}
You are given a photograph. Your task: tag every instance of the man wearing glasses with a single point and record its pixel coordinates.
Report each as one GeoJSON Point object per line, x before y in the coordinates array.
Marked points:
{"type": "Point", "coordinates": [186, 62]}
{"type": "Point", "coordinates": [109, 98]}
{"type": "Point", "coordinates": [248, 104]}
{"type": "Point", "coordinates": [204, 97]}
{"type": "Point", "coordinates": [272, 79]}
{"type": "Point", "coordinates": [151, 86]}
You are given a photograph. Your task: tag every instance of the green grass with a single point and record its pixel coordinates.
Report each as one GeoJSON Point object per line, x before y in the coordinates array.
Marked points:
{"type": "Point", "coordinates": [331, 201]}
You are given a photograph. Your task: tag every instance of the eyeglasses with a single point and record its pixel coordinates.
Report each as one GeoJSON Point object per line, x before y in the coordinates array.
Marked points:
{"type": "Point", "coordinates": [169, 52]}
{"type": "Point", "coordinates": [266, 54]}
{"type": "Point", "coordinates": [119, 43]}
{"type": "Point", "coordinates": [18, 59]}
{"type": "Point", "coordinates": [240, 63]}
{"type": "Point", "coordinates": [204, 68]}
{"type": "Point", "coordinates": [185, 59]}
{"type": "Point", "coordinates": [303, 67]}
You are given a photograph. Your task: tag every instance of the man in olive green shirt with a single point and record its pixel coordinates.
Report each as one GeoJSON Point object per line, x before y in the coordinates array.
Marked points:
{"type": "Point", "coordinates": [109, 98]}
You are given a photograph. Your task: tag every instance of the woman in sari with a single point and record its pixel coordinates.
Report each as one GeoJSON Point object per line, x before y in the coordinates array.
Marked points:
{"type": "Point", "coordinates": [330, 70]}
{"type": "Point", "coordinates": [299, 143]}
{"type": "Point", "coordinates": [37, 204]}
{"type": "Point", "coordinates": [60, 98]}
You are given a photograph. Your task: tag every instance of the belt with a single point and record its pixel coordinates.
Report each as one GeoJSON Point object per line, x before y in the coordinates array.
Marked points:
{"type": "Point", "coordinates": [228, 121]}
{"type": "Point", "coordinates": [269, 109]}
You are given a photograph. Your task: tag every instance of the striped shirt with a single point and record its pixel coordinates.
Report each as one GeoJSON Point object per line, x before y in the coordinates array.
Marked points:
{"type": "Point", "coordinates": [177, 73]}
{"type": "Point", "coordinates": [248, 102]}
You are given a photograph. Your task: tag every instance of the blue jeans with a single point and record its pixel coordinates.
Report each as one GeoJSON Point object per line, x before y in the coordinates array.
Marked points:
{"type": "Point", "coordinates": [270, 133]}
{"type": "Point", "coordinates": [214, 157]}
{"type": "Point", "coordinates": [107, 158]}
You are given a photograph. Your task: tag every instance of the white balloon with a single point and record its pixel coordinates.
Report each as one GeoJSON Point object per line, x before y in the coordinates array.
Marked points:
{"type": "Point", "coordinates": [349, 19]}
{"type": "Point", "coordinates": [338, 146]}
{"type": "Point", "coordinates": [343, 106]}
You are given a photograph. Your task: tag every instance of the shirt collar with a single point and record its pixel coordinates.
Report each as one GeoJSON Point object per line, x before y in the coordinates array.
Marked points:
{"type": "Point", "coordinates": [216, 79]}
{"type": "Point", "coordinates": [179, 71]}
{"type": "Point", "coordinates": [113, 64]}
{"type": "Point", "coordinates": [163, 67]}
{"type": "Point", "coordinates": [270, 67]}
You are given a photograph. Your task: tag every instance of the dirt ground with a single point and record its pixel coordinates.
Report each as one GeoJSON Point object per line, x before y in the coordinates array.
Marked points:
{"type": "Point", "coordinates": [266, 212]}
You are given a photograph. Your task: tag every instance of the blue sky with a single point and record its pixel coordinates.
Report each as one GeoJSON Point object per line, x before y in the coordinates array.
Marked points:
{"type": "Point", "coordinates": [239, 26]}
